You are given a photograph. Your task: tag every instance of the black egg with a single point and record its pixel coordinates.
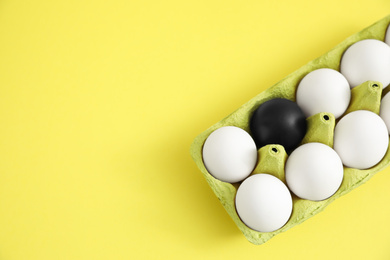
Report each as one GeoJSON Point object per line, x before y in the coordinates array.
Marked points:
{"type": "Point", "coordinates": [278, 121]}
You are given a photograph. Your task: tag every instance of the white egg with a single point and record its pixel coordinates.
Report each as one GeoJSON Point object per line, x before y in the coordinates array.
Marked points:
{"type": "Point", "coordinates": [366, 60]}
{"type": "Point", "coordinates": [264, 203]}
{"type": "Point", "coordinates": [230, 154]}
{"type": "Point", "coordinates": [385, 110]}
{"type": "Point", "coordinates": [323, 90]}
{"type": "Point", "coordinates": [361, 139]}
{"type": "Point", "coordinates": [314, 171]}
{"type": "Point", "coordinates": [387, 39]}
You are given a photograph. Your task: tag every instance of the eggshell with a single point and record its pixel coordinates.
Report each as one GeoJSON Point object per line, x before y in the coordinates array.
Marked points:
{"type": "Point", "coordinates": [230, 154]}
{"type": "Point", "coordinates": [366, 60]}
{"type": "Point", "coordinates": [278, 121]}
{"type": "Point", "coordinates": [263, 203]}
{"type": "Point", "coordinates": [323, 90]}
{"type": "Point", "coordinates": [387, 39]}
{"type": "Point", "coordinates": [314, 171]}
{"type": "Point", "coordinates": [385, 110]}
{"type": "Point", "coordinates": [361, 139]}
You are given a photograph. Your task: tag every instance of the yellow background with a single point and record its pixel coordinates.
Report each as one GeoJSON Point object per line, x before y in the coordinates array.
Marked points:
{"type": "Point", "coordinates": [100, 101]}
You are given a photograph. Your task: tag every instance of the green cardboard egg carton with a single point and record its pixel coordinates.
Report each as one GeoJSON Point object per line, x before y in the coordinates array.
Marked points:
{"type": "Point", "coordinates": [272, 158]}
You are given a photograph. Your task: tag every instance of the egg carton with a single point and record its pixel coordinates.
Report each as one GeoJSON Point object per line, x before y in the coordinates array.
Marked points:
{"type": "Point", "coordinates": [320, 128]}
